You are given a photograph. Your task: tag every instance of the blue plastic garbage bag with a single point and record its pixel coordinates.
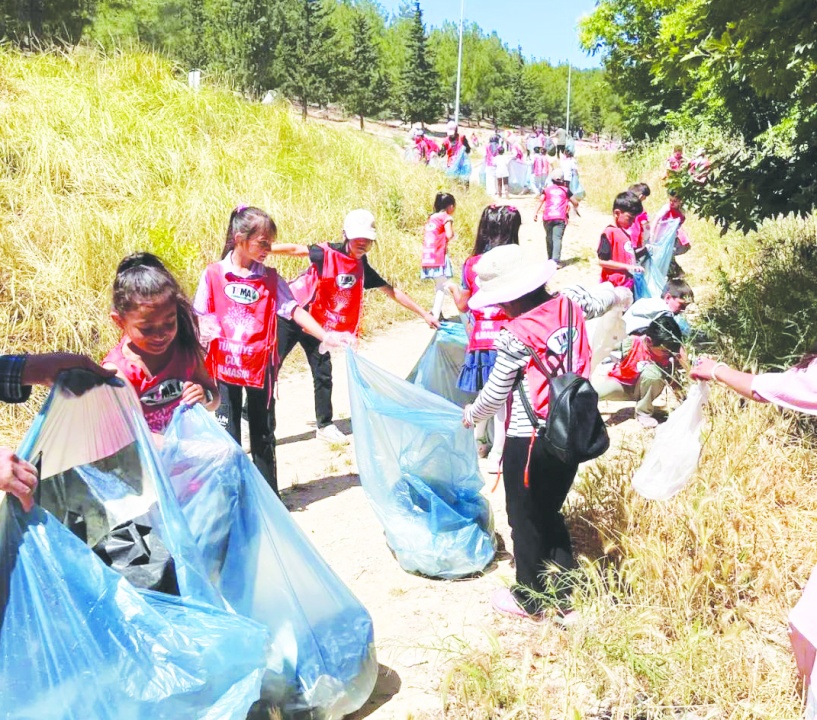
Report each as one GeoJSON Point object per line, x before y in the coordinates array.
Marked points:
{"type": "Point", "coordinates": [439, 366]}
{"type": "Point", "coordinates": [77, 640]}
{"type": "Point", "coordinates": [519, 177]}
{"type": "Point", "coordinates": [323, 658]}
{"type": "Point", "coordinates": [460, 167]}
{"type": "Point", "coordinates": [660, 257]}
{"type": "Point", "coordinates": [418, 467]}
{"type": "Point", "coordinates": [576, 187]}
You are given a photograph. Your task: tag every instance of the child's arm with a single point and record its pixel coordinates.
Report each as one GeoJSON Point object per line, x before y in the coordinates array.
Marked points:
{"type": "Point", "coordinates": [538, 208]}
{"type": "Point", "coordinates": [574, 202]}
{"type": "Point", "coordinates": [461, 296]}
{"type": "Point", "coordinates": [449, 228]}
{"type": "Point", "coordinates": [195, 391]}
{"type": "Point", "coordinates": [290, 249]}
{"type": "Point", "coordinates": [612, 265]}
{"type": "Point", "coordinates": [402, 299]}
{"type": "Point", "coordinates": [308, 323]}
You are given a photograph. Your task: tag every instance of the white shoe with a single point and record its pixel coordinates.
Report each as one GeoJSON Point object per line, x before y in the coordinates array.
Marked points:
{"type": "Point", "coordinates": [331, 434]}
{"type": "Point", "coordinates": [245, 435]}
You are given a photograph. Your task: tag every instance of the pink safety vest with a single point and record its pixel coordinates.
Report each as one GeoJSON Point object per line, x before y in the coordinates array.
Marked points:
{"type": "Point", "coordinates": [488, 320]}
{"type": "Point", "coordinates": [622, 247]}
{"type": "Point", "coordinates": [556, 201]}
{"type": "Point", "coordinates": [628, 369]}
{"type": "Point", "coordinates": [544, 329]}
{"type": "Point", "coordinates": [159, 394]}
{"type": "Point", "coordinates": [246, 309]}
{"type": "Point", "coordinates": [435, 242]}
{"type": "Point", "coordinates": [336, 296]}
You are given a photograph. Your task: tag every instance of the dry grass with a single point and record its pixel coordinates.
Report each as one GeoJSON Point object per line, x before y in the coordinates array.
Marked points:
{"type": "Point", "coordinates": [102, 156]}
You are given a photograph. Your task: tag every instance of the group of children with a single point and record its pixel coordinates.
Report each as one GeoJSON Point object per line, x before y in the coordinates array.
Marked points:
{"type": "Point", "coordinates": [245, 319]}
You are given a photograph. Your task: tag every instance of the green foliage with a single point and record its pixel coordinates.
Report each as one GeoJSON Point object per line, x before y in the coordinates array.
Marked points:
{"type": "Point", "coordinates": [518, 106]}
{"type": "Point", "coordinates": [420, 95]}
{"type": "Point", "coordinates": [743, 68]}
{"type": "Point", "coordinates": [34, 23]}
{"type": "Point", "coordinates": [367, 87]}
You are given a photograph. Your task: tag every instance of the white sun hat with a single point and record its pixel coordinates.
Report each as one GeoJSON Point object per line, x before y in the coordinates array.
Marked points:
{"type": "Point", "coordinates": [359, 224]}
{"type": "Point", "coordinates": [504, 274]}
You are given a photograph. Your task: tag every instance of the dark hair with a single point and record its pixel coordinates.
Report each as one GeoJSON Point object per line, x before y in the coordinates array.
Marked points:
{"type": "Point", "coordinates": [443, 201]}
{"type": "Point", "coordinates": [808, 357]}
{"type": "Point", "coordinates": [535, 298]}
{"type": "Point", "coordinates": [247, 221]}
{"type": "Point", "coordinates": [664, 332]}
{"type": "Point", "coordinates": [628, 202]}
{"type": "Point", "coordinates": [640, 189]}
{"type": "Point", "coordinates": [679, 289]}
{"type": "Point", "coordinates": [673, 193]}
{"type": "Point", "coordinates": [500, 150]}
{"type": "Point", "coordinates": [142, 277]}
{"type": "Point", "coordinates": [499, 225]}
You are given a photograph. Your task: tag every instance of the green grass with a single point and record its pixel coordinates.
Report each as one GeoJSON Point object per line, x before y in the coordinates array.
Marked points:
{"type": "Point", "coordinates": [101, 156]}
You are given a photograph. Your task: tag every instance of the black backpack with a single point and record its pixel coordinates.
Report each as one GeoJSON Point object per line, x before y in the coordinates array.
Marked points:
{"type": "Point", "coordinates": [574, 431]}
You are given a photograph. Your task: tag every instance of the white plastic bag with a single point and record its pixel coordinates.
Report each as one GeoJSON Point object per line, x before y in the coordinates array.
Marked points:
{"type": "Point", "coordinates": [673, 456]}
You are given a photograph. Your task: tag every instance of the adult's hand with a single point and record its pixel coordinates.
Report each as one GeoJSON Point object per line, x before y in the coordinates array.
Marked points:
{"type": "Point", "coordinates": [17, 477]}
{"type": "Point", "coordinates": [43, 369]}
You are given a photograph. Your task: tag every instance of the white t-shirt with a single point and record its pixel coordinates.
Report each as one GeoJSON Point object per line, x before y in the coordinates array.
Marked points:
{"type": "Point", "coordinates": [502, 163]}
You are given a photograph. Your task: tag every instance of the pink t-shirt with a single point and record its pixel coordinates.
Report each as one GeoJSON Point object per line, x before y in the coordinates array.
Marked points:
{"type": "Point", "coordinates": [795, 389]}
{"type": "Point", "coordinates": [556, 200]}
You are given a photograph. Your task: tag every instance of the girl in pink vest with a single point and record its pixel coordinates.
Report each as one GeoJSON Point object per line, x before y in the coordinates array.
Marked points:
{"type": "Point", "coordinates": [439, 231]}
{"type": "Point", "coordinates": [242, 300]}
{"type": "Point", "coordinates": [499, 225]}
{"type": "Point", "coordinates": [536, 482]}
{"type": "Point", "coordinates": [555, 203]}
{"type": "Point", "coordinates": [159, 353]}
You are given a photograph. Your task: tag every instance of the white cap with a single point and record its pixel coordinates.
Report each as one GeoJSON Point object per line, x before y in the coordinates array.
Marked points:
{"type": "Point", "coordinates": [504, 274]}
{"type": "Point", "coordinates": [359, 224]}
{"type": "Point", "coordinates": [451, 128]}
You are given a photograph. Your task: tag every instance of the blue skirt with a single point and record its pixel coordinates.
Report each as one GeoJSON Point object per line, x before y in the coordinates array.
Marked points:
{"type": "Point", "coordinates": [475, 370]}
{"type": "Point", "coordinates": [430, 273]}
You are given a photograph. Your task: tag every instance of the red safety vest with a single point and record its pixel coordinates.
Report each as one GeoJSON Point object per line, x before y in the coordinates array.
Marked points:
{"type": "Point", "coordinates": [336, 296]}
{"type": "Point", "coordinates": [488, 321]}
{"type": "Point", "coordinates": [629, 368]}
{"type": "Point", "coordinates": [622, 251]}
{"type": "Point", "coordinates": [452, 149]}
{"type": "Point", "coordinates": [435, 242]}
{"type": "Point", "coordinates": [246, 308]}
{"type": "Point", "coordinates": [159, 394]}
{"type": "Point", "coordinates": [544, 329]}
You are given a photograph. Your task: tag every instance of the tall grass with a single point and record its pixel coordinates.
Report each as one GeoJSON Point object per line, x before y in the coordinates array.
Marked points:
{"type": "Point", "coordinates": [105, 155]}
{"type": "Point", "coordinates": [683, 602]}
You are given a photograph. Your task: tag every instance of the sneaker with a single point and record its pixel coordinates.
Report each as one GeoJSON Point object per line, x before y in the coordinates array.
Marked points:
{"type": "Point", "coordinates": [567, 618]}
{"type": "Point", "coordinates": [647, 421]}
{"type": "Point", "coordinates": [504, 602]}
{"type": "Point", "coordinates": [331, 434]}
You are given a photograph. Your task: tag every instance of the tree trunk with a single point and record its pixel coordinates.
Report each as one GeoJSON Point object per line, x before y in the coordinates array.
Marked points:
{"type": "Point", "coordinates": [303, 109]}
{"type": "Point", "coordinates": [361, 121]}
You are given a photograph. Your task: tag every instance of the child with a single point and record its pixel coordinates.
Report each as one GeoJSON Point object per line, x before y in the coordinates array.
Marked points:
{"type": "Point", "coordinates": [331, 290]}
{"type": "Point", "coordinates": [491, 151]}
{"type": "Point", "coordinates": [569, 167]}
{"type": "Point", "coordinates": [536, 482]}
{"type": "Point", "coordinates": [439, 230]}
{"type": "Point", "coordinates": [673, 210]}
{"type": "Point", "coordinates": [675, 162]}
{"type": "Point", "coordinates": [644, 369]}
{"type": "Point", "coordinates": [616, 254]}
{"type": "Point", "coordinates": [502, 162]}
{"type": "Point", "coordinates": [159, 353]}
{"type": "Point", "coordinates": [677, 296]}
{"type": "Point", "coordinates": [556, 199]}
{"type": "Point", "coordinates": [640, 231]}
{"type": "Point", "coordinates": [243, 300]}
{"type": "Point", "coordinates": [541, 168]}
{"type": "Point", "coordinates": [497, 226]}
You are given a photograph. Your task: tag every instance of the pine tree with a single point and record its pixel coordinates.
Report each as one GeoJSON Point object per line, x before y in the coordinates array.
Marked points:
{"type": "Point", "coordinates": [519, 107]}
{"type": "Point", "coordinates": [420, 91]}
{"type": "Point", "coordinates": [307, 57]}
{"type": "Point", "coordinates": [367, 88]}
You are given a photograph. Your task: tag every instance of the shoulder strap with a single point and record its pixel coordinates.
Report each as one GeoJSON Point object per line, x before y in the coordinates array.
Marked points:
{"type": "Point", "coordinates": [532, 417]}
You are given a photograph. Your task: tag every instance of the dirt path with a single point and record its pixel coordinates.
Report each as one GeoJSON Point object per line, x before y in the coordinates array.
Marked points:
{"type": "Point", "coordinates": [415, 619]}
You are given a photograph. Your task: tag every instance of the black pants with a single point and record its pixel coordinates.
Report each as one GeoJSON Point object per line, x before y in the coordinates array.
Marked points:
{"type": "Point", "coordinates": [262, 425]}
{"type": "Point", "coordinates": [289, 335]}
{"type": "Point", "coordinates": [538, 530]}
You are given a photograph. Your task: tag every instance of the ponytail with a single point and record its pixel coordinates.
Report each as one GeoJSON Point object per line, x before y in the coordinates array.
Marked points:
{"type": "Point", "coordinates": [247, 221]}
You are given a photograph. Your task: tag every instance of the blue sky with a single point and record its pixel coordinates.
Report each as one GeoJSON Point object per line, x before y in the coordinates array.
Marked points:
{"type": "Point", "coordinates": [545, 29]}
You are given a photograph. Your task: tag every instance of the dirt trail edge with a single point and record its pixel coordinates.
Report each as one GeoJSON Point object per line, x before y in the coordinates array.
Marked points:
{"type": "Point", "coordinates": [418, 622]}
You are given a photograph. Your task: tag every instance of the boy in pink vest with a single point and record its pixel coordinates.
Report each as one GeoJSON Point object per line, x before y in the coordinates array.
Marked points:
{"type": "Point", "coordinates": [556, 200]}
{"type": "Point", "coordinates": [617, 256]}
{"type": "Point", "coordinates": [331, 290]}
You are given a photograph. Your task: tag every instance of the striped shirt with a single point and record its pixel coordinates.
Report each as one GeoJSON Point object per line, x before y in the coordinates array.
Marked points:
{"type": "Point", "coordinates": [12, 389]}
{"type": "Point", "coordinates": [511, 357]}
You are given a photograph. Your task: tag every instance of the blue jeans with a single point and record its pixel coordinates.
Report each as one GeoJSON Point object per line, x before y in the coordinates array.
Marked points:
{"type": "Point", "coordinates": [554, 230]}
